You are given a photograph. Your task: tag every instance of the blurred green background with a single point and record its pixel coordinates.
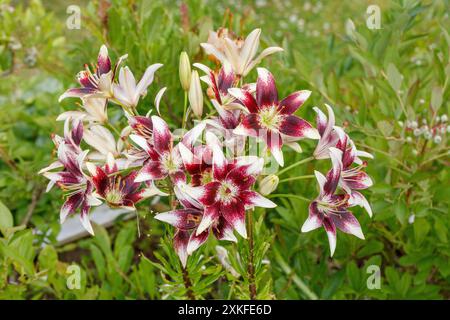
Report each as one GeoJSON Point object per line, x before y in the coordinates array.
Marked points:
{"type": "Point", "coordinates": [379, 82]}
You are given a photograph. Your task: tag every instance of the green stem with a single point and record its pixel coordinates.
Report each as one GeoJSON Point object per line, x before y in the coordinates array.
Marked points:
{"type": "Point", "coordinates": [295, 165]}
{"type": "Point", "coordinates": [113, 128]}
{"type": "Point", "coordinates": [183, 124]}
{"type": "Point", "coordinates": [295, 196]}
{"type": "Point", "coordinates": [251, 264]}
{"type": "Point", "coordinates": [297, 178]}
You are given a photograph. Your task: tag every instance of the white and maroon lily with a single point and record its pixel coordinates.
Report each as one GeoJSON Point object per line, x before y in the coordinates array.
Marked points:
{"type": "Point", "coordinates": [219, 83]}
{"type": "Point", "coordinates": [97, 83]}
{"type": "Point", "coordinates": [73, 134]}
{"type": "Point", "coordinates": [164, 160]}
{"type": "Point", "coordinates": [127, 92]}
{"type": "Point", "coordinates": [197, 163]}
{"type": "Point", "coordinates": [330, 209]}
{"type": "Point", "coordinates": [119, 190]}
{"type": "Point", "coordinates": [229, 194]}
{"type": "Point", "coordinates": [239, 54]}
{"type": "Point", "coordinates": [270, 119]}
{"type": "Point", "coordinates": [353, 177]}
{"type": "Point", "coordinates": [156, 140]}
{"type": "Point", "coordinates": [227, 107]}
{"type": "Point", "coordinates": [328, 136]}
{"type": "Point", "coordinates": [71, 179]}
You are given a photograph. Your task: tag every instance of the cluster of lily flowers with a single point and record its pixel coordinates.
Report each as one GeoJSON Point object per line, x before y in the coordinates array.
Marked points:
{"type": "Point", "coordinates": [207, 168]}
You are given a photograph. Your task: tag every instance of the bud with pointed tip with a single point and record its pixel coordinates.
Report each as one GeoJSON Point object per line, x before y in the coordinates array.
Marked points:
{"type": "Point", "coordinates": [185, 71]}
{"type": "Point", "coordinates": [268, 184]}
{"type": "Point", "coordinates": [196, 94]}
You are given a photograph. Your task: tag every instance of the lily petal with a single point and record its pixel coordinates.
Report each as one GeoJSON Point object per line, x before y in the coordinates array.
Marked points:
{"type": "Point", "coordinates": [295, 100]}
{"type": "Point", "coordinates": [266, 91]}
{"type": "Point", "coordinates": [234, 212]}
{"type": "Point", "coordinates": [347, 223]}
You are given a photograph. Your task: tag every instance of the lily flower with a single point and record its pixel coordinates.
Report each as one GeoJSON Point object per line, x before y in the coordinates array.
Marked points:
{"type": "Point", "coordinates": [164, 160]}
{"type": "Point", "coordinates": [270, 119]}
{"type": "Point", "coordinates": [220, 83]}
{"type": "Point", "coordinates": [240, 54]}
{"type": "Point", "coordinates": [216, 39]}
{"type": "Point", "coordinates": [229, 195]}
{"type": "Point", "coordinates": [103, 141]}
{"type": "Point", "coordinates": [72, 180]}
{"type": "Point", "coordinates": [71, 140]}
{"type": "Point", "coordinates": [227, 107]}
{"type": "Point", "coordinates": [197, 163]}
{"type": "Point", "coordinates": [97, 83]}
{"type": "Point", "coordinates": [328, 136]}
{"type": "Point", "coordinates": [118, 190]}
{"type": "Point", "coordinates": [353, 177]}
{"type": "Point", "coordinates": [127, 92]}
{"type": "Point", "coordinates": [94, 110]}
{"type": "Point", "coordinates": [330, 209]}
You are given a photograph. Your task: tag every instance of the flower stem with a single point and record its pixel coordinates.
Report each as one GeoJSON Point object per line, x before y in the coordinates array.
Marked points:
{"type": "Point", "coordinates": [183, 124]}
{"type": "Point", "coordinates": [294, 196]}
{"type": "Point", "coordinates": [295, 165]}
{"type": "Point", "coordinates": [188, 284]}
{"type": "Point", "coordinates": [297, 178]}
{"type": "Point", "coordinates": [251, 264]}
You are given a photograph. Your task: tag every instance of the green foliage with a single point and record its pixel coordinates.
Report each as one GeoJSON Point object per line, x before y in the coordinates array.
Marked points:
{"type": "Point", "coordinates": [376, 80]}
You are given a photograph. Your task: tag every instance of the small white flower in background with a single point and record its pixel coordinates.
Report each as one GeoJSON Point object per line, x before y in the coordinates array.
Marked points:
{"type": "Point", "coordinates": [127, 92]}
{"type": "Point", "coordinates": [422, 101]}
{"type": "Point", "coordinates": [196, 94]}
{"type": "Point", "coordinates": [437, 139]}
{"type": "Point", "coordinates": [268, 184]}
{"type": "Point", "coordinates": [444, 118]}
{"type": "Point", "coordinates": [240, 56]}
{"type": "Point", "coordinates": [411, 219]}
{"type": "Point", "coordinates": [185, 71]}
{"type": "Point", "coordinates": [293, 18]}
{"type": "Point", "coordinates": [409, 139]}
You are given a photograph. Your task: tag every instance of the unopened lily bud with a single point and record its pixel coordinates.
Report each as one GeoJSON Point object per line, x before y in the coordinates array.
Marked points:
{"type": "Point", "coordinates": [196, 94]}
{"type": "Point", "coordinates": [268, 184]}
{"type": "Point", "coordinates": [185, 71]}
